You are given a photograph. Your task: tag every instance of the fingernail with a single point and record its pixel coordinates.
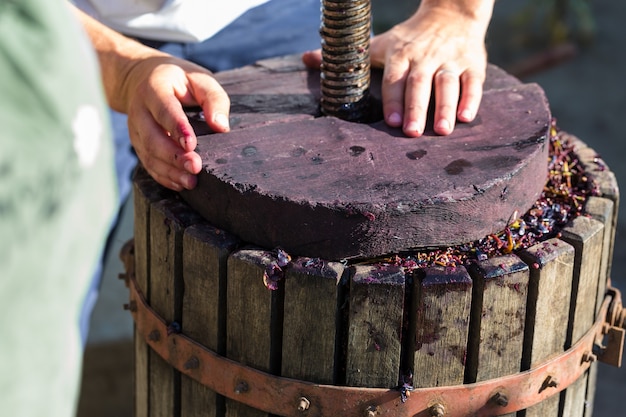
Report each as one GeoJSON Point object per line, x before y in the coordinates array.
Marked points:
{"type": "Point", "coordinates": [188, 165]}
{"type": "Point", "coordinates": [186, 181]}
{"type": "Point", "coordinates": [394, 119]}
{"type": "Point", "coordinates": [183, 142]}
{"type": "Point", "coordinates": [221, 120]}
{"type": "Point", "coordinates": [467, 115]}
{"type": "Point", "coordinates": [413, 127]}
{"type": "Point", "coordinates": [443, 125]}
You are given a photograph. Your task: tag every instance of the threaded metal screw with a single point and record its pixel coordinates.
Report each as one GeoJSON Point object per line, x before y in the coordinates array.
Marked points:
{"type": "Point", "coordinates": [345, 76]}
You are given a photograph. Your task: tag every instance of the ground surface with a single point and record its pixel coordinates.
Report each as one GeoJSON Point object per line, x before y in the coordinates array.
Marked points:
{"type": "Point", "coordinates": [586, 95]}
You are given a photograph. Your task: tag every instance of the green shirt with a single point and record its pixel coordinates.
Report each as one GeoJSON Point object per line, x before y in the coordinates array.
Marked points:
{"type": "Point", "coordinates": [57, 199]}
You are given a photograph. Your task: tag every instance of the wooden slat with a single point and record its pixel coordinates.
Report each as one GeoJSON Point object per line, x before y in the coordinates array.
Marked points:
{"type": "Point", "coordinates": [205, 255]}
{"type": "Point", "coordinates": [602, 210]}
{"type": "Point", "coordinates": [551, 272]}
{"type": "Point", "coordinates": [254, 321]}
{"type": "Point", "coordinates": [441, 305]}
{"type": "Point", "coordinates": [376, 309]}
{"type": "Point", "coordinates": [586, 236]}
{"type": "Point", "coordinates": [168, 221]}
{"type": "Point", "coordinates": [606, 181]}
{"type": "Point", "coordinates": [498, 316]}
{"type": "Point", "coordinates": [497, 319]}
{"type": "Point", "coordinates": [145, 192]}
{"type": "Point", "coordinates": [312, 302]}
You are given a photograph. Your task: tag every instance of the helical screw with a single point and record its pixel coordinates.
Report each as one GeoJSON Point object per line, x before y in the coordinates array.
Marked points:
{"type": "Point", "coordinates": [345, 71]}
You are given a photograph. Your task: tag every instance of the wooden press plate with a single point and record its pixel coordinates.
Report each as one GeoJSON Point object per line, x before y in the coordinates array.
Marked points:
{"type": "Point", "coordinates": [317, 186]}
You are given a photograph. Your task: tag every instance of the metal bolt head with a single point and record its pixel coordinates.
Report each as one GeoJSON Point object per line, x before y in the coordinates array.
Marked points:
{"type": "Point", "coordinates": [304, 404]}
{"type": "Point", "coordinates": [372, 411]}
{"type": "Point", "coordinates": [550, 382]}
{"type": "Point", "coordinates": [500, 399]}
{"type": "Point", "coordinates": [154, 336]}
{"type": "Point", "coordinates": [589, 357]}
{"type": "Point", "coordinates": [192, 363]}
{"type": "Point", "coordinates": [242, 387]}
{"type": "Point", "coordinates": [437, 410]}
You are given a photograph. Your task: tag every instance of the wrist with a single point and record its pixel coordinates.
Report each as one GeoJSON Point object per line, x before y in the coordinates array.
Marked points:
{"type": "Point", "coordinates": [477, 11]}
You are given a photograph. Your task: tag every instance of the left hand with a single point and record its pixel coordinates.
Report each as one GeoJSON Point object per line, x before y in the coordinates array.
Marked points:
{"type": "Point", "coordinates": [152, 87]}
{"type": "Point", "coordinates": [159, 129]}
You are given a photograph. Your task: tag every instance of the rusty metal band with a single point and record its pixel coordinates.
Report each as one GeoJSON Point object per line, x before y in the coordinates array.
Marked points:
{"type": "Point", "coordinates": [289, 397]}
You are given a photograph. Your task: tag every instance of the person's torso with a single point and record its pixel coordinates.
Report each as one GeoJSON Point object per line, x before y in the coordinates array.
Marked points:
{"type": "Point", "coordinates": [167, 20]}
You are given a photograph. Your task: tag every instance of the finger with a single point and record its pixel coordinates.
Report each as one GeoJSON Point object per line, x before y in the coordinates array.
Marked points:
{"type": "Point", "coordinates": [471, 95]}
{"type": "Point", "coordinates": [393, 83]}
{"type": "Point", "coordinates": [162, 157]}
{"type": "Point", "coordinates": [170, 115]}
{"type": "Point", "coordinates": [170, 177]}
{"type": "Point", "coordinates": [312, 59]}
{"type": "Point", "coordinates": [210, 95]}
{"type": "Point", "coordinates": [417, 96]}
{"type": "Point", "coordinates": [446, 100]}
{"type": "Point", "coordinates": [161, 105]}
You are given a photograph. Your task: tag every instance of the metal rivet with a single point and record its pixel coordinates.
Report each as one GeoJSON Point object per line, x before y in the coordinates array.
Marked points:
{"type": "Point", "coordinates": [192, 363]}
{"type": "Point", "coordinates": [549, 382]}
{"type": "Point", "coordinates": [154, 336]}
{"type": "Point", "coordinates": [242, 387]}
{"type": "Point", "coordinates": [437, 410]}
{"type": "Point", "coordinates": [500, 399]}
{"type": "Point", "coordinates": [173, 328]}
{"type": "Point", "coordinates": [304, 404]}
{"type": "Point", "coordinates": [371, 411]}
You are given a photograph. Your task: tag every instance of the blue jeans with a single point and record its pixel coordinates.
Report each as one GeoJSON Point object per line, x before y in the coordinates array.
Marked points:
{"type": "Point", "coordinates": [276, 28]}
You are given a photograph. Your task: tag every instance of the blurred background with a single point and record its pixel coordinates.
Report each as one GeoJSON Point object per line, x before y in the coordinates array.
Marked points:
{"type": "Point", "coordinates": [574, 49]}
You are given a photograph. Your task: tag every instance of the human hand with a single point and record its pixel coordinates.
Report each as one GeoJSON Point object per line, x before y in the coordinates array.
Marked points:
{"type": "Point", "coordinates": [152, 87]}
{"type": "Point", "coordinates": [157, 89]}
{"type": "Point", "coordinates": [440, 47]}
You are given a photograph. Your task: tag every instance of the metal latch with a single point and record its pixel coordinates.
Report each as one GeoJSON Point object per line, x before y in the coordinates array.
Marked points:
{"type": "Point", "coordinates": [611, 347]}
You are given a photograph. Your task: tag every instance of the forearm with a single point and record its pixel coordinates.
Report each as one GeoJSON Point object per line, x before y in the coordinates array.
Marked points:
{"type": "Point", "coordinates": [117, 55]}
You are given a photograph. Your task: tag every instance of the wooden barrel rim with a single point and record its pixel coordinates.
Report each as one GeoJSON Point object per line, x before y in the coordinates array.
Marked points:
{"type": "Point", "coordinates": [322, 187]}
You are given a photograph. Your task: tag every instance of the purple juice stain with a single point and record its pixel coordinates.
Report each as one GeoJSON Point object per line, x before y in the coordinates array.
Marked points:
{"type": "Point", "coordinates": [456, 167]}
{"type": "Point", "coordinates": [415, 155]}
